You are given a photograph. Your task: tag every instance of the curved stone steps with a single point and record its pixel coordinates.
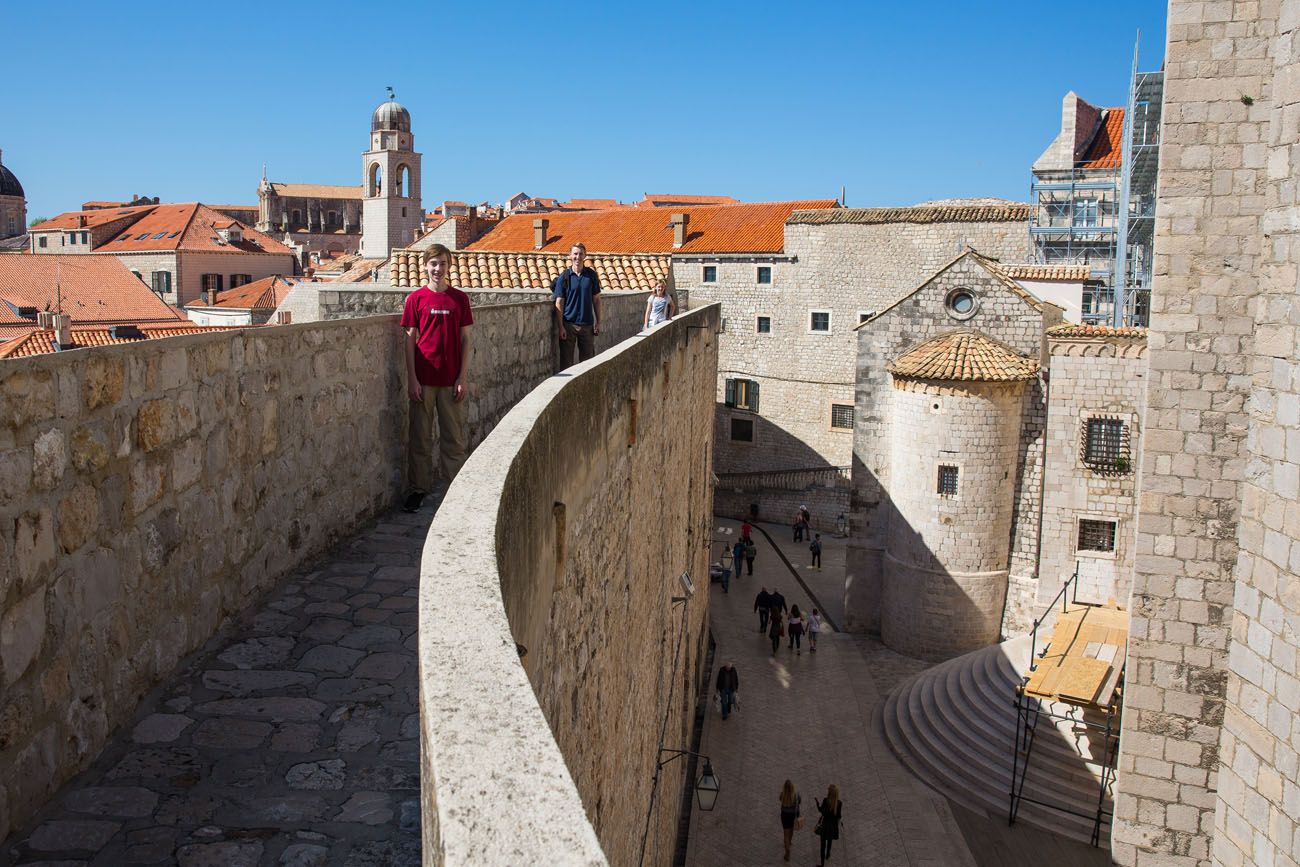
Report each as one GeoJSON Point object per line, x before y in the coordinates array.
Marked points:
{"type": "Point", "coordinates": [953, 726]}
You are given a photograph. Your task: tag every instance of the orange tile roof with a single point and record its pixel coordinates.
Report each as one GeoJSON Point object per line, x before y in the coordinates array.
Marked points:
{"type": "Point", "coordinates": [318, 191]}
{"type": "Point", "coordinates": [358, 270]}
{"type": "Point", "coordinates": [964, 356]}
{"type": "Point", "coordinates": [264, 294]}
{"type": "Point", "coordinates": [1005, 212]}
{"type": "Point", "coordinates": [1105, 151]}
{"type": "Point", "coordinates": [91, 219]}
{"type": "Point", "coordinates": [189, 226]}
{"type": "Point", "coordinates": [743, 228]}
{"type": "Point", "coordinates": [1071, 330]}
{"type": "Point", "coordinates": [94, 289]}
{"type": "Point", "coordinates": [593, 204]}
{"type": "Point", "coordinates": [472, 270]}
{"type": "Point", "coordinates": [39, 341]}
{"type": "Point", "coordinates": [654, 200]}
{"type": "Point", "coordinates": [1031, 271]}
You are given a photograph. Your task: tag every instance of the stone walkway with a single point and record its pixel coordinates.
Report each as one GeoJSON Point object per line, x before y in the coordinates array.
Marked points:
{"type": "Point", "coordinates": [809, 717]}
{"type": "Point", "coordinates": [290, 739]}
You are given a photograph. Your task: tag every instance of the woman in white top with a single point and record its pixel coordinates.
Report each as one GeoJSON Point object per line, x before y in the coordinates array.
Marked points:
{"type": "Point", "coordinates": [659, 307]}
{"type": "Point", "coordinates": [814, 627]}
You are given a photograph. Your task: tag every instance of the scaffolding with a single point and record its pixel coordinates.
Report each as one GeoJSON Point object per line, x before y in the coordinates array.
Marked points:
{"type": "Point", "coordinates": [1103, 217]}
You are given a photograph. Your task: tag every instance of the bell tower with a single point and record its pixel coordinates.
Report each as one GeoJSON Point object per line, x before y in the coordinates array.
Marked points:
{"type": "Point", "coordinates": [390, 206]}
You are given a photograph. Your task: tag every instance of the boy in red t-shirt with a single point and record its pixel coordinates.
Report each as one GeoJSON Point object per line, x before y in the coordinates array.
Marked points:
{"type": "Point", "coordinates": [437, 318]}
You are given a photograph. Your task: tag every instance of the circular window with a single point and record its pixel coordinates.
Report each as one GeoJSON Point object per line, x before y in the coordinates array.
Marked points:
{"type": "Point", "coordinates": [962, 303]}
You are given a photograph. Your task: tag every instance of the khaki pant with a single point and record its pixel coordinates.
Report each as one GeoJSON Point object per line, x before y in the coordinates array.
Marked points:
{"type": "Point", "coordinates": [451, 437]}
{"type": "Point", "coordinates": [580, 336]}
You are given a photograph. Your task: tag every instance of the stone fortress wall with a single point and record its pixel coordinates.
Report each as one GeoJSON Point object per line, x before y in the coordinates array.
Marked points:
{"type": "Point", "coordinates": [1208, 756]}
{"type": "Point", "coordinates": [137, 483]}
{"type": "Point", "coordinates": [581, 542]}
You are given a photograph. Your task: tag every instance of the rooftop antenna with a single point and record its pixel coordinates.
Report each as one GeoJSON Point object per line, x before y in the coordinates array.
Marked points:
{"type": "Point", "coordinates": [391, 95]}
{"type": "Point", "coordinates": [842, 200]}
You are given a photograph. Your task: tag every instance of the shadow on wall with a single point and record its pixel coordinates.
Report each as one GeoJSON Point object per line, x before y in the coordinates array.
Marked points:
{"type": "Point", "coordinates": [775, 470]}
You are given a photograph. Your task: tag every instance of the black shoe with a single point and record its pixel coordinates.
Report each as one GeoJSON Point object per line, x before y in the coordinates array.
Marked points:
{"type": "Point", "coordinates": [413, 502]}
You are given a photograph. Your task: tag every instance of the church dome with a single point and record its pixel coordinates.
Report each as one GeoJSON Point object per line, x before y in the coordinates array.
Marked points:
{"type": "Point", "coordinates": [9, 185]}
{"type": "Point", "coordinates": [392, 115]}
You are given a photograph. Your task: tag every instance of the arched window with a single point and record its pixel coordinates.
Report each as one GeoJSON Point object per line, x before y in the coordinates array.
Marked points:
{"type": "Point", "coordinates": [403, 181]}
{"type": "Point", "coordinates": [376, 179]}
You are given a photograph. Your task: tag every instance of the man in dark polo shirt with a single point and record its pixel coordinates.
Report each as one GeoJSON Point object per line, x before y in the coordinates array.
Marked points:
{"type": "Point", "coordinates": [577, 303]}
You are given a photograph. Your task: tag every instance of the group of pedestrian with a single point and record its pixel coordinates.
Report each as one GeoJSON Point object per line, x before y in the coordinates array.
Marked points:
{"type": "Point", "coordinates": [802, 524]}
{"type": "Point", "coordinates": [437, 319]}
{"type": "Point", "coordinates": [773, 619]}
{"type": "Point", "coordinates": [830, 812]}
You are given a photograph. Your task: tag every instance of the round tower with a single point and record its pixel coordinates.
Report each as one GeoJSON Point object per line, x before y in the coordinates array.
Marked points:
{"type": "Point", "coordinates": [390, 206]}
{"type": "Point", "coordinates": [13, 204]}
{"type": "Point", "coordinates": [954, 452]}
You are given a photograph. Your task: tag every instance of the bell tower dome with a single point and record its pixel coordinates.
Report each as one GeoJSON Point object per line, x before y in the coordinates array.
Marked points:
{"type": "Point", "coordinates": [391, 212]}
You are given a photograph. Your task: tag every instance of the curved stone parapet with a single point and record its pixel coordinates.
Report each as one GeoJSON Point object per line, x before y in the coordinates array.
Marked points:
{"type": "Point", "coordinates": [553, 654]}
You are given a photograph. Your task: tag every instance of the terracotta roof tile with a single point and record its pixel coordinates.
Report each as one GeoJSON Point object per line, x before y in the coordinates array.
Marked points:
{"type": "Point", "coordinates": [1031, 271]}
{"type": "Point", "coordinates": [187, 227]}
{"type": "Point", "coordinates": [1071, 330]}
{"type": "Point", "coordinates": [964, 356]}
{"type": "Point", "coordinates": [91, 219]}
{"type": "Point", "coordinates": [38, 341]}
{"type": "Point", "coordinates": [1105, 151]}
{"type": "Point", "coordinates": [94, 289]}
{"type": "Point", "coordinates": [667, 200]}
{"type": "Point", "coordinates": [264, 294]}
{"type": "Point", "coordinates": [319, 191]}
{"type": "Point", "coordinates": [1010, 212]}
{"type": "Point", "coordinates": [480, 270]}
{"type": "Point", "coordinates": [744, 228]}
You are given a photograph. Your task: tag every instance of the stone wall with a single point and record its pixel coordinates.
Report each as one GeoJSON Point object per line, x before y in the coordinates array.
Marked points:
{"type": "Point", "coordinates": [845, 269]}
{"type": "Point", "coordinates": [1091, 377]}
{"type": "Point", "coordinates": [1221, 163]}
{"type": "Point", "coordinates": [945, 564]}
{"type": "Point", "coordinates": [150, 491]}
{"type": "Point", "coordinates": [1002, 314]}
{"type": "Point", "coordinates": [580, 542]}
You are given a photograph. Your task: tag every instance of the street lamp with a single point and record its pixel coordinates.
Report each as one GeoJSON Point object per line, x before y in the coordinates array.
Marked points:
{"type": "Point", "coordinates": [706, 787]}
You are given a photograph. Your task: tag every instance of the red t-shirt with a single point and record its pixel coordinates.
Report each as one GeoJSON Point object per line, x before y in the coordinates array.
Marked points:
{"type": "Point", "coordinates": [438, 317]}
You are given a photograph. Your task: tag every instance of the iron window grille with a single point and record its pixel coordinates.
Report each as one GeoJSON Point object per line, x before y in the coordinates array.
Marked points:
{"type": "Point", "coordinates": [742, 394]}
{"type": "Point", "coordinates": [842, 416]}
{"type": "Point", "coordinates": [947, 485]}
{"type": "Point", "coordinates": [1106, 445]}
{"type": "Point", "coordinates": [1096, 536]}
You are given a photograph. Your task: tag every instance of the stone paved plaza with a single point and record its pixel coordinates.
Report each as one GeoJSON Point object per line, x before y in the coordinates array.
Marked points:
{"type": "Point", "coordinates": [290, 739]}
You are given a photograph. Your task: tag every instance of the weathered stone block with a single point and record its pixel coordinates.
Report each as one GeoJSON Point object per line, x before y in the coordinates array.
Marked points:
{"type": "Point", "coordinates": [49, 459]}
{"type": "Point", "coordinates": [78, 517]}
{"type": "Point", "coordinates": [155, 424]}
{"type": "Point", "coordinates": [34, 543]}
{"type": "Point", "coordinates": [101, 381]}
{"type": "Point", "coordinates": [22, 632]}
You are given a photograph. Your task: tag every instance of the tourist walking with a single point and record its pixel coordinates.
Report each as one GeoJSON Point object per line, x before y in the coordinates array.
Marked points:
{"type": "Point", "coordinates": [799, 525]}
{"type": "Point", "coordinates": [794, 626]}
{"type": "Point", "coordinates": [807, 518]}
{"type": "Point", "coordinates": [775, 630]}
{"type": "Point", "coordinates": [789, 815]}
{"type": "Point", "coordinates": [815, 546]}
{"type": "Point", "coordinates": [728, 684]}
{"type": "Point", "coordinates": [763, 605]}
{"type": "Point", "coordinates": [777, 601]}
{"type": "Point", "coordinates": [828, 823]}
{"type": "Point", "coordinates": [577, 305]}
{"type": "Point", "coordinates": [750, 550]}
{"type": "Point", "coordinates": [437, 319]}
{"type": "Point", "coordinates": [738, 556]}
{"type": "Point", "coordinates": [746, 529]}
{"type": "Point", "coordinates": [814, 628]}
{"type": "Point", "coordinates": [659, 307]}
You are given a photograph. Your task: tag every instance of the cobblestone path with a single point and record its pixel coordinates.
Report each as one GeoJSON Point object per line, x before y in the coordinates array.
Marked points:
{"type": "Point", "coordinates": [290, 739]}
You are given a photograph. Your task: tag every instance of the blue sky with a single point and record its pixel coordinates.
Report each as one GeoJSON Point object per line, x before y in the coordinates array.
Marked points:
{"type": "Point", "coordinates": [898, 102]}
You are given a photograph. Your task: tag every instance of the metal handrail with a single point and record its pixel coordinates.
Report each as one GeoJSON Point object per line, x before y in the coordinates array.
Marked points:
{"type": "Point", "coordinates": [1060, 594]}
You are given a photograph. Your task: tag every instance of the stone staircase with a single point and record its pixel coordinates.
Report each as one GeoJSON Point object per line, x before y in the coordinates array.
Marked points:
{"type": "Point", "coordinates": [953, 726]}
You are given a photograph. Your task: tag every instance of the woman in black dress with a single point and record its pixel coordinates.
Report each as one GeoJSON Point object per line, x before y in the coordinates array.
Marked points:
{"type": "Point", "coordinates": [828, 825]}
{"type": "Point", "coordinates": [789, 814]}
